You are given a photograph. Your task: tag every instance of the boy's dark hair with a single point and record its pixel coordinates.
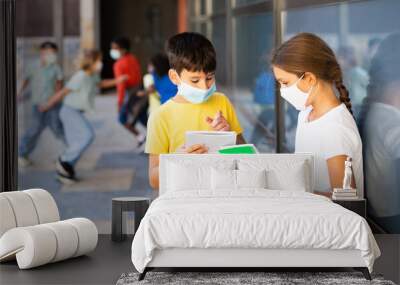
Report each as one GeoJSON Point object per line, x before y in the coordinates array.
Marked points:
{"type": "Point", "coordinates": [160, 63]}
{"type": "Point", "coordinates": [123, 43]}
{"type": "Point", "coordinates": [49, 45]}
{"type": "Point", "coordinates": [191, 51]}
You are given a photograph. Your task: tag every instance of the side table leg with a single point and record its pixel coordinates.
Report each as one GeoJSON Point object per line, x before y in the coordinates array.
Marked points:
{"type": "Point", "coordinates": [116, 224]}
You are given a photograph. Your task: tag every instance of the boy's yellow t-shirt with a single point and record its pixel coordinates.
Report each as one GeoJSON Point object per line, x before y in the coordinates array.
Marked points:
{"type": "Point", "coordinates": [167, 125]}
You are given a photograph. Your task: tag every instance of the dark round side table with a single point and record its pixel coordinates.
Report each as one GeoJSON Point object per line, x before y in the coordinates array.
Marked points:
{"type": "Point", "coordinates": [138, 205]}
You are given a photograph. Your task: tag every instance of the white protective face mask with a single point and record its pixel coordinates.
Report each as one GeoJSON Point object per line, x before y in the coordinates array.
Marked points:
{"type": "Point", "coordinates": [295, 96]}
{"type": "Point", "coordinates": [193, 94]}
{"type": "Point", "coordinates": [50, 58]}
{"type": "Point", "coordinates": [115, 54]}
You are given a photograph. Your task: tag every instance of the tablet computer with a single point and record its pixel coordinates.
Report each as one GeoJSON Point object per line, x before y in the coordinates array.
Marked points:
{"type": "Point", "coordinates": [214, 140]}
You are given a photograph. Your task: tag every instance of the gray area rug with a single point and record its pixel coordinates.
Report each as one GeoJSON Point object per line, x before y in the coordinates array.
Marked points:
{"type": "Point", "coordinates": [228, 278]}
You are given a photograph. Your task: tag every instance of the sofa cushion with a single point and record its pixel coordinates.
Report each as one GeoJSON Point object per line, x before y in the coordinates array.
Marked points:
{"type": "Point", "coordinates": [40, 244]}
{"type": "Point", "coordinates": [23, 208]}
{"type": "Point", "coordinates": [46, 207]}
{"type": "Point", "coordinates": [7, 220]}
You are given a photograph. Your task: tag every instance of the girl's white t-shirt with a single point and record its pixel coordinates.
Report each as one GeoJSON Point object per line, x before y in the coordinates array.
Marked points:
{"type": "Point", "coordinates": [333, 134]}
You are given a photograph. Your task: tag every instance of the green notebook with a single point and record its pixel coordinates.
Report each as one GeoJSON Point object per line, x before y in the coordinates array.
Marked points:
{"type": "Point", "coordinates": [238, 149]}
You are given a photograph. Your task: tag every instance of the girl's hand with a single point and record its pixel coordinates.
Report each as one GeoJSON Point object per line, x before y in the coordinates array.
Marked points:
{"type": "Point", "coordinates": [219, 123]}
{"type": "Point", "coordinates": [44, 108]}
{"type": "Point", "coordinates": [20, 97]}
{"type": "Point", "coordinates": [326, 194]}
{"type": "Point", "coordinates": [197, 148]}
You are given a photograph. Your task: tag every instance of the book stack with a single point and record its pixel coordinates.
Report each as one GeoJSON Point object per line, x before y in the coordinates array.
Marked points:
{"type": "Point", "coordinates": [344, 194]}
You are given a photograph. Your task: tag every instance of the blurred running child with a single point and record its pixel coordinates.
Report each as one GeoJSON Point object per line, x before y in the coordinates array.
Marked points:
{"type": "Point", "coordinates": [78, 97]}
{"type": "Point", "coordinates": [45, 78]}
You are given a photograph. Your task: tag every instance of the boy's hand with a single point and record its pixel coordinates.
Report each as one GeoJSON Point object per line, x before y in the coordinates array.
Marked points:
{"type": "Point", "coordinates": [141, 93]}
{"type": "Point", "coordinates": [196, 148]}
{"type": "Point", "coordinates": [122, 78]}
{"type": "Point", "coordinates": [219, 123]}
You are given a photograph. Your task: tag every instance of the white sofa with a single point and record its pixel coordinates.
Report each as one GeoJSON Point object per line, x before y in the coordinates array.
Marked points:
{"type": "Point", "coordinates": [31, 231]}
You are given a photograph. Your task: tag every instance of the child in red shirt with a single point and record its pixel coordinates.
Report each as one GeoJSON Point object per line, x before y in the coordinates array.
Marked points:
{"type": "Point", "coordinates": [127, 65]}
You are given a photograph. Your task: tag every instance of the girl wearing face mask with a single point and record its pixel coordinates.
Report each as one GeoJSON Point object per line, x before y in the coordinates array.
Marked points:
{"type": "Point", "coordinates": [78, 97]}
{"type": "Point", "coordinates": [311, 80]}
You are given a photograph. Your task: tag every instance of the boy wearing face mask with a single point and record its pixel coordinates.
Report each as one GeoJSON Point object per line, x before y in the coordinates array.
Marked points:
{"type": "Point", "coordinates": [45, 77]}
{"type": "Point", "coordinates": [78, 97]}
{"type": "Point", "coordinates": [195, 107]}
